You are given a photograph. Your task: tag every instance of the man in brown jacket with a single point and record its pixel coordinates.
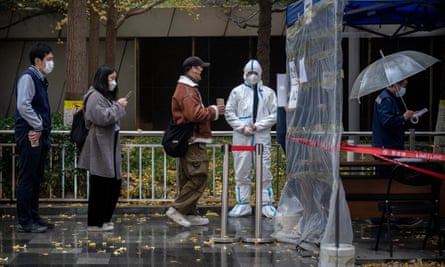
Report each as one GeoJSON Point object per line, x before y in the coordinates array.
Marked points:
{"type": "Point", "coordinates": [193, 167]}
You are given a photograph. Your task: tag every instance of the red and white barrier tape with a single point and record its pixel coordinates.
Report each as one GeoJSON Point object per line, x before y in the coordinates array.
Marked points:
{"type": "Point", "coordinates": [381, 153]}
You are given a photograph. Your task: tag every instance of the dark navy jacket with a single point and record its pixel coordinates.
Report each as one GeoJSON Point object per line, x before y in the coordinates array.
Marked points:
{"type": "Point", "coordinates": [387, 122]}
{"type": "Point", "coordinates": [40, 103]}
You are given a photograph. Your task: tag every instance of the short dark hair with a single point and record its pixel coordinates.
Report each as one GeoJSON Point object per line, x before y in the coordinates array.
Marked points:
{"type": "Point", "coordinates": [39, 50]}
{"type": "Point", "coordinates": [101, 81]}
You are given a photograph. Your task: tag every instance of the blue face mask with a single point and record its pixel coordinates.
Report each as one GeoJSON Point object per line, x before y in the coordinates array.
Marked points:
{"type": "Point", "coordinates": [401, 92]}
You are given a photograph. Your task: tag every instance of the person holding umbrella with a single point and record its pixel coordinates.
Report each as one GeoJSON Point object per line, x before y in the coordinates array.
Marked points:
{"type": "Point", "coordinates": [388, 123]}
{"type": "Point", "coordinates": [390, 113]}
{"type": "Point", "coordinates": [388, 120]}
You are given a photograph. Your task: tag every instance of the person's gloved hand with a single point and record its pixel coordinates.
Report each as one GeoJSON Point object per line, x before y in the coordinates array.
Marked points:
{"type": "Point", "coordinates": [247, 131]}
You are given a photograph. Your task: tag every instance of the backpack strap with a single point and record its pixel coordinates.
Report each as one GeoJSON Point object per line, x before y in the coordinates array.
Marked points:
{"type": "Point", "coordinates": [84, 109]}
{"type": "Point", "coordinates": [86, 99]}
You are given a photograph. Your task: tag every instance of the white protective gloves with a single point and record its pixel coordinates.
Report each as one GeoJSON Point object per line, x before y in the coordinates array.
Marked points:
{"type": "Point", "coordinates": [247, 131]}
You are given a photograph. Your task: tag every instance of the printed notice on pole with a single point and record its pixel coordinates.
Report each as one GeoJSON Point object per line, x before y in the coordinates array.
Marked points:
{"type": "Point", "coordinates": [308, 11]}
{"type": "Point", "coordinates": [69, 107]}
{"type": "Point", "coordinates": [282, 89]}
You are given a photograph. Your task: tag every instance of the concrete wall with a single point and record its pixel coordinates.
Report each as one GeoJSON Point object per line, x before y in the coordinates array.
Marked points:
{"type": "Point", "coordinates": [16, 41]}
{"type": "Point", "coordinates": [160, 22]}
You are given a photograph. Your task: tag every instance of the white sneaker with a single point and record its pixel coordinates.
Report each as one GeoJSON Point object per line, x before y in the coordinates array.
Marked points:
{"type": "Point", "coordinates": [95, 229]}
{"type": "Point", "coordinates": [111, 224]}
{"type": "Point", "coordinates": [197, 220]}
{"type": "Point", "coordinates": [108, 226]}
{"type": "Point", "coordinates": [240, 210]}
{"type": "Point", "coordinates": [177, 217]}
{"type": "Point", "coordinates": [269, 211]}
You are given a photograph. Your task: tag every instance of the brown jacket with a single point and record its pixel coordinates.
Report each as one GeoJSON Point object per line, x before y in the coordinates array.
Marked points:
{"type": "Point", "coordinates": [187, 106]}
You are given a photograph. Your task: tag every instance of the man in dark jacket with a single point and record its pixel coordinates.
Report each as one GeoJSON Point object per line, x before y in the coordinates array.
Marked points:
{"type": "Point", "coordinates": [32, 129]}
{"type": "Point", "coordinates": [388, 121]}
{"type": "Point", "coordinates": [193, 167]}
{"type": "Point", "coordinates": [388, 127]}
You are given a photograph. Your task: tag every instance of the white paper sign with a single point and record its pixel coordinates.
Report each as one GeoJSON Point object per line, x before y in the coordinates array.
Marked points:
{"type": "Point", "coordinates": [293, 97]}
{"type": "Point", "coordinates": [282, 89]}
{"type": "Point", "coordinates": [292, 72]}
{"type": "Point", "coordinates": [328, 80]}
{"type": "Point", "coordinates": [303, 76]}
{"type": "Point", "coordinates": [308, 11]}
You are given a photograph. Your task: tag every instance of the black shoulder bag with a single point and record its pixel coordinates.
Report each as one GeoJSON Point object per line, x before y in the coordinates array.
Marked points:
{"type": "Point", "coordinates": [176, 138]}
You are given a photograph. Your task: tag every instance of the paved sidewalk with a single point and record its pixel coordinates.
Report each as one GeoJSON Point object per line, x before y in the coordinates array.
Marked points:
{"type": "Point", "coordinates": [146, 237]}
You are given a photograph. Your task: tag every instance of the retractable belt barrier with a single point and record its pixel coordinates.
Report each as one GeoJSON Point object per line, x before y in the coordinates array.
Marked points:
{"type": "Point", "coordinates": [224, 238]}
{"type": "Point", "coordinates": [381, 153]}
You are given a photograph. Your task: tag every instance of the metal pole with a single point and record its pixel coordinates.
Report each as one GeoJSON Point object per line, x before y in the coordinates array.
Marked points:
{"type": "Point", "coordinates": [224, 238]}
{"type": "Point", "coordinates": [412, 139]}
{"type": "Point", "coordinates": [259, 199]}
{"type": "Point", "coordinates": [259, 188]}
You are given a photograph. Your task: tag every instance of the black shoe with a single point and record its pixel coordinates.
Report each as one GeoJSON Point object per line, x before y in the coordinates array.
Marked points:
{"type": "Point", "coordinates": [31, 228]}
{"type": "Point", "coordinates": [42, 222]}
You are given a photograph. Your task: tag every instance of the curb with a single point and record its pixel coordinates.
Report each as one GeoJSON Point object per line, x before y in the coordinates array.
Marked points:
{"type": "Point", "coordinates": [83, 210]}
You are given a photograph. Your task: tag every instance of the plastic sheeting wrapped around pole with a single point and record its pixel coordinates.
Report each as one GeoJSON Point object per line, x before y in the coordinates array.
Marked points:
{"type": "Point", "coordinates": [313, 212]}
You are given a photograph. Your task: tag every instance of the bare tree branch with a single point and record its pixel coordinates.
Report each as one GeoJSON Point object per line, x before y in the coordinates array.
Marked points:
{"type": "Point", "coordinates": [242, 22]}
{"type": "Point", "coordinates": [135, 12]}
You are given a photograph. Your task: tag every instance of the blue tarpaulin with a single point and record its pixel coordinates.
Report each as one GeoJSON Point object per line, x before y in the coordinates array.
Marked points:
{"type": "Point", "coordinates": [411, 16]}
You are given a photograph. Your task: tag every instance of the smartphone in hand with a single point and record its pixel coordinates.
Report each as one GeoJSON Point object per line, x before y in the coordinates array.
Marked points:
{"type": "Point", "coordinates": [130, 93]}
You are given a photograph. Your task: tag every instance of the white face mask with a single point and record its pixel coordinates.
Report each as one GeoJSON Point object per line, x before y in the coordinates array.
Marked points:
{"type": "Point", "coordinates": [112, 85]}
{"type": "Point", "coordinates": [401, 92]}
{"type": "Point", "coordinates": [252, 79]}
{"type": "Point", "coordinates": [49, 66]}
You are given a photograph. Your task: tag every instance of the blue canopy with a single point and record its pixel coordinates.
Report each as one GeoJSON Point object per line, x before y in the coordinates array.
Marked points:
{"type": "Point", "coordinates": [413, 16]}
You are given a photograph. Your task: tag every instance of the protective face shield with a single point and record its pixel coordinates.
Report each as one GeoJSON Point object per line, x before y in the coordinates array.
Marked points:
{"type": "Point", "coordinates": [401, 92]}
{"type": "Point", "coordinates": [49, 66]}
{"type": "Point", "coordinates": [252, 66]}
{"type": "Point", "coordinates": [112, 85]}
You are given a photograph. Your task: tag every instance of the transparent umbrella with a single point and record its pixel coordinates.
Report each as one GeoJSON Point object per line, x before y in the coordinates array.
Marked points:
{"type": "Point", "coordinates": [389, 70]}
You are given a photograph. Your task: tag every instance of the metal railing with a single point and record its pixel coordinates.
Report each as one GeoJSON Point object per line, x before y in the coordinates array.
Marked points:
{"type": "Point", "coordinates": [149, 175]}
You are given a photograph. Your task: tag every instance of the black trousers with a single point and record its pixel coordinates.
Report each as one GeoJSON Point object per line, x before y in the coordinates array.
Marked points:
{"type": "Point", "coordinates": [104, 194]}
{"type": "Point", "coordinates": [31, 174]}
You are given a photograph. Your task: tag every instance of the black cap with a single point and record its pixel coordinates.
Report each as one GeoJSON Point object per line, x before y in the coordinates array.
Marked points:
{"type": "Point", "coordinates": [194, 61]}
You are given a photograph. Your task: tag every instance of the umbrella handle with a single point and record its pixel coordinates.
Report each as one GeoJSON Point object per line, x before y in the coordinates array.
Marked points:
{"type": "Point", "coordinates": [414, 119]}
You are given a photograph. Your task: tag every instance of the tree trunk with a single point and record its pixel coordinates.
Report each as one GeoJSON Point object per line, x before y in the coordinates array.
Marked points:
{"type": "Point", "coordinates": [76, 76]}
{"type": "Point", "coordinates": [111, 34]}
{"type": "Point", "coordinates": [263, 46]}
{"type": "Point", "coordinates": [93, 45]}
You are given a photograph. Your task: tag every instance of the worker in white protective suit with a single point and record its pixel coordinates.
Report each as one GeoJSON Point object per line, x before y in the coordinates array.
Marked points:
{"type": "Point", "coordinates": [249, 128]}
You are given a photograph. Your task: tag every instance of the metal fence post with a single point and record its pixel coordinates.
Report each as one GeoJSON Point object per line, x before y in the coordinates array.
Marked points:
{"type": "Point", "coordinates": [259, 198]}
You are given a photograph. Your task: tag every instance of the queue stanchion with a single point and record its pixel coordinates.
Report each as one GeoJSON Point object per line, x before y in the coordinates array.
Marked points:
{"type": "Point", "coordinates": [258, 238]}
{"type": "Point", "coordinates": [224, 238]}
